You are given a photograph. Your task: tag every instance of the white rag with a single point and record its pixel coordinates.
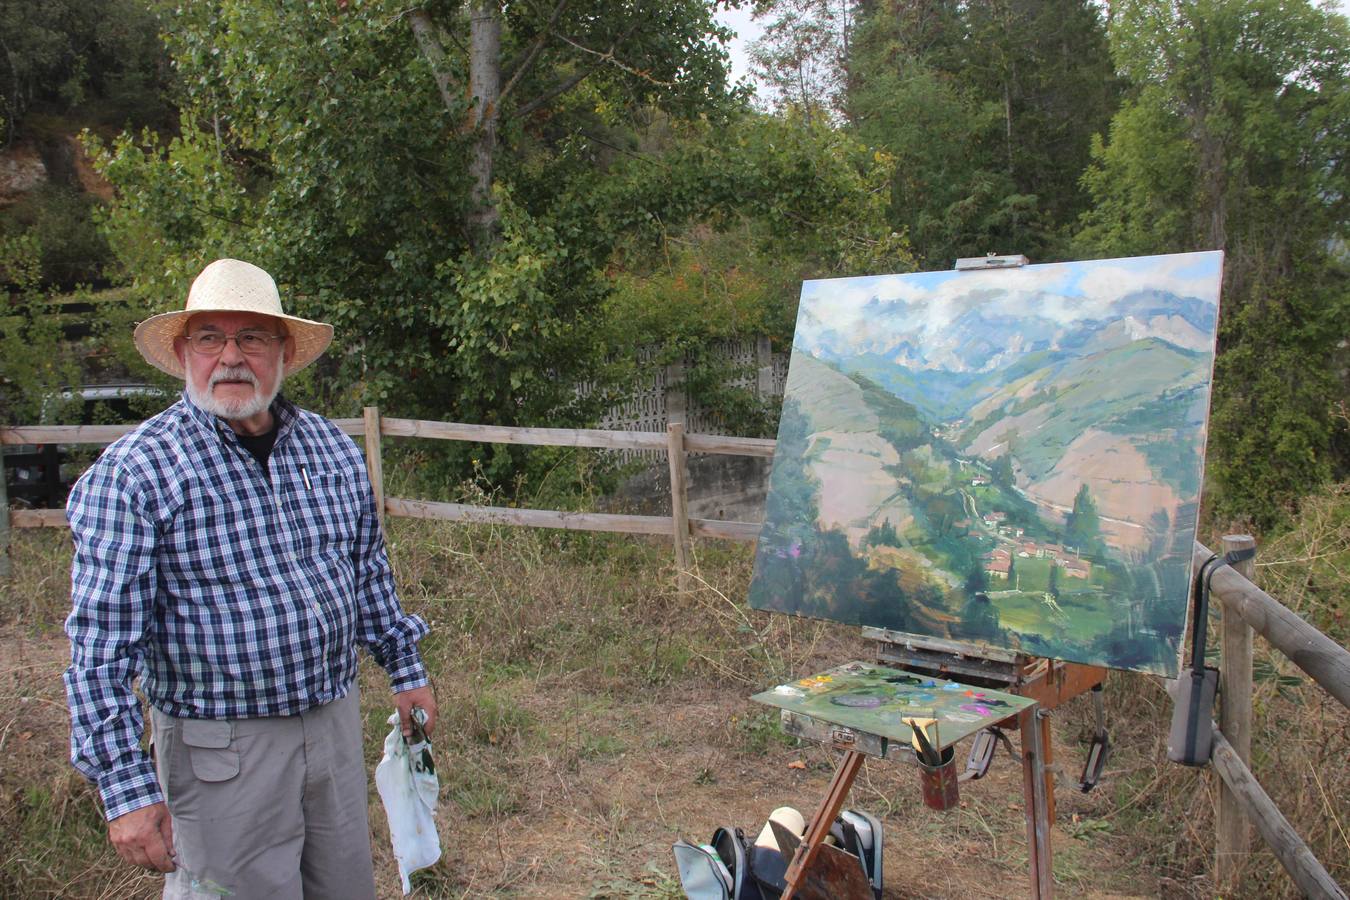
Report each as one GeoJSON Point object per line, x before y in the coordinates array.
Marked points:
{"type": "Point", "coordinates": [406, 778]}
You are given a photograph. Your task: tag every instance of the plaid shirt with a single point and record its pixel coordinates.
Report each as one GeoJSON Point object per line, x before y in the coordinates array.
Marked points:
{"type": "Point", "coordinates": [230, 593]}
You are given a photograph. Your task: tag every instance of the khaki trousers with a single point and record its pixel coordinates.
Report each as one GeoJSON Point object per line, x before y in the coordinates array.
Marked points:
{"type": "Point", "coordinates": [267, 808]}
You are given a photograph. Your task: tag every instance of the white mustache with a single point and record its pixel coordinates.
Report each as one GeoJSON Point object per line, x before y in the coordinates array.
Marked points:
{"type": "Point", "coordinates": [233, 373]}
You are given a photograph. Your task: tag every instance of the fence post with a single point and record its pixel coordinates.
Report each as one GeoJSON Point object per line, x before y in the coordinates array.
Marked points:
{"type": "Point", "coordinates": [374, 461]}
{"type": "Point", "coordinates": [679, 501]}
{"type": "Point", "coordinates": [1235, 721]}
{"type": "Point", "coordinates": [4, 517]}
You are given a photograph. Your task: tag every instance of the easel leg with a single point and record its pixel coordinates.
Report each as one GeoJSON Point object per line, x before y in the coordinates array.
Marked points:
{"type": "Point", "coordinates": [1037, 805]}
{"type": "Point", "coordinates": [819, 827]}
{"type": "Point", "coordinates": [1048, 753]}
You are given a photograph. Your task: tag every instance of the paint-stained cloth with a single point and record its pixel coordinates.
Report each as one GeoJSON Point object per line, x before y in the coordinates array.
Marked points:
{"type": "Point", "coordinates": [232, 594]}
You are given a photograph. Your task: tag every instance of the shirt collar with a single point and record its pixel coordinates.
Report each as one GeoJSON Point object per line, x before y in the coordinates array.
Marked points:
{"type": "Point", "coordinates": [283, 411]}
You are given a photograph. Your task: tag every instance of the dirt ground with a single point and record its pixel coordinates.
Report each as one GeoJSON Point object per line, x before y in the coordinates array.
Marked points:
{"type": "Point", "coordinates": [588, 802]}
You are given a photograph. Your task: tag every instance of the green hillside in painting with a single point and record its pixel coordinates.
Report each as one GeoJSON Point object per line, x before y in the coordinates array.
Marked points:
{"type": "Point", "coordinates": [918, 549]}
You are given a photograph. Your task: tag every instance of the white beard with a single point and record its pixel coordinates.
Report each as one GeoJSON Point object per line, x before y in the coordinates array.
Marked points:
{"type": "Point", "coordinates": [233, 410]}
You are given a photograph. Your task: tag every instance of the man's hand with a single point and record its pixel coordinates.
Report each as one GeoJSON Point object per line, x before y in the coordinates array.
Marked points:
{"type": "Point", "coordinates": [144, 837]}
{"type": "Point", "coordinates": [418, 696]}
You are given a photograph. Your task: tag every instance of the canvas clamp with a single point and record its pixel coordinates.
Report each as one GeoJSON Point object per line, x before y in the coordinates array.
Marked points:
{"type": "Point", "coordinates": [1190, 741]}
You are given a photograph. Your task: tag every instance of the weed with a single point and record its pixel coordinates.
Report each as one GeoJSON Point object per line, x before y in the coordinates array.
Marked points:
{"type": "Point", "coordinates": [759, 732]}
{"type": "Point", "coordinates": [481, 793]}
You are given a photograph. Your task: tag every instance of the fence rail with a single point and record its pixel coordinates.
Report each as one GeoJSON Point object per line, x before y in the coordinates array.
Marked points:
{"type": "Point", "coordinates": [1246, 607]}
{"type": "Point", "coordinates": [372, 426]}
{"type": "Point", "coordinates": [1242, 800]}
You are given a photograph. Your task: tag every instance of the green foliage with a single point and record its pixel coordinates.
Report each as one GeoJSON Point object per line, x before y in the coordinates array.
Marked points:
{"type": "Point", "coordinates": [34, 364]}
{"type": "Point", "coordinates": [365, 227]}
{"type": "Point", "coordinates": [316, 144]}
{"type": "Point", "coordinates": [768, 202]}
{"type": "Point", "coordinates": [1238, 119]}
{"type": "Point", "coordinates": [979, 619]}
{"type": "Point", "coordinates": [60, 219]}
{"type": "Point", "coordinates": [989, 109]}
{"type": "Point", "coordinates": [882, 535]}
{"type": "Point", "coordinates": [1002, 471]}
{"type": "Point", "coordinates": [100, 57]}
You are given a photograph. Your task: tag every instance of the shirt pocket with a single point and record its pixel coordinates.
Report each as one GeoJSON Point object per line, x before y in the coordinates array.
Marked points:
{"type": "Point", "coordinates": [322, 508]}
{"type": "Point", "coordinates": [211, 749]}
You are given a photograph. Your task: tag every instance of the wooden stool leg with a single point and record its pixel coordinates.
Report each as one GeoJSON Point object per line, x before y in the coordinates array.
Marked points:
{"type": "Point", "coordinates": [819, 827]}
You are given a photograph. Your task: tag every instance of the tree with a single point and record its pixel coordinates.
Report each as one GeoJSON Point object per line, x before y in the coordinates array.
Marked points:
{"type": "Point", "coordinates": [1082, 527]}
{"type": "Point", "coordinates": [989, 109]}
{"type": "Point", "coordinates": [979, 619]}
{"type": "Point", "coordinates": [653, 53]}
{"type": "Point", "coordinates": [883, 535]}
{"type": "Point", "coordinates": [1002, 471]}
{"type": "Point", "coordinates": [1233, 138]}
{"type": "Point", "coordinates": [336, 148]}
{"type": "Point", "coordinates": [803, 54]}
{"type": "Point", "coordinates": [332, 148]}
{"type": "Point", "coordinates": [976, 579]}
{"type": "Point", "coordinates": [35, 364]}
{"type": "Point", "coordinates": [100, 56]}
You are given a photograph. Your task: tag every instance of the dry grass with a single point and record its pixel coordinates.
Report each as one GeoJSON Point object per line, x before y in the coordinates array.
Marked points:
{"type": "Point", "coordinates": [592, 714]}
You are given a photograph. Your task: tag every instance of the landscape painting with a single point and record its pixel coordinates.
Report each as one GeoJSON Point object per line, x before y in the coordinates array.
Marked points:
{"type": "Point", "coordinates": [1008, 457]}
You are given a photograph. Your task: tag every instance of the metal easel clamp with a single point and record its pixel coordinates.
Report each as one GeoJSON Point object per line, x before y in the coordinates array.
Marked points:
{"type": "Point", "coordinates": [991, 261]}
{"type": "Point", "coordinates": [982, 752]}
{"type": "Point", "coordinates": [1100, 750]}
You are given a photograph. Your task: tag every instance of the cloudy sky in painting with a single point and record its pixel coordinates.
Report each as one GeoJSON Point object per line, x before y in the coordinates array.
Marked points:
{"type": "Point", "coordinates": [926, 303]}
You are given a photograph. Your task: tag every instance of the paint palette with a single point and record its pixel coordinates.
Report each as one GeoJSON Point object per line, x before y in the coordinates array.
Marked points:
{"type": "Point", "coordinates": [877, 699]}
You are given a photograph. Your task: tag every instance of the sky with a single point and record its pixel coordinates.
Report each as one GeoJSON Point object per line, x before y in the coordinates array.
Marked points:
{"type": "Point", "coordinates": [928, 302]}
{"type": "Point", "coordinates": [747, 30]}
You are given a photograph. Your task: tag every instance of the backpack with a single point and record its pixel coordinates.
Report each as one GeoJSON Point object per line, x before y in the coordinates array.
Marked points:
{"type": "Point", "coordinates": [703, 875]}
{"type": "Point", "coordinates": [729, 867]}
{"type": "Point", "coordinates": [718, 870]}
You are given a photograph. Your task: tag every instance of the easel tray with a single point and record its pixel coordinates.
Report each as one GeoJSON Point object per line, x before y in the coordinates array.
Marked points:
{"type": "Point", "coordinates": [874, 700]}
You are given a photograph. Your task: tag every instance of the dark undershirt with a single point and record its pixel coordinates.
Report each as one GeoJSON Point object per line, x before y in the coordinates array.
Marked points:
{"type": "Point", "coordinates": [260, 445]}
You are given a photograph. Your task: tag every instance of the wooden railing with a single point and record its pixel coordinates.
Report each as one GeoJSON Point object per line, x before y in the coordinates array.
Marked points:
{"type": "Point", "coordinates": [1242, 801]}
{"type": "Point", "coordinates": [1247, 609]}
{"type": "Point", "coordinates": [373, 427]}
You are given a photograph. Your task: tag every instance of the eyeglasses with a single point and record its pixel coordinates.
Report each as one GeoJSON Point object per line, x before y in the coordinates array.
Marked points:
{"type": "Point", "coordinates": [250, 342]}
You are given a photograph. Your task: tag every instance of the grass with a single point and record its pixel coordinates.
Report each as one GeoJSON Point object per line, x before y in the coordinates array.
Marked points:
{"type": "Point", "coordinates": [591, 714]}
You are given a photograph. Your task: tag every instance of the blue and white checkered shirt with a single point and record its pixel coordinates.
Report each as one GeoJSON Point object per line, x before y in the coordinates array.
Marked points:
{"type": "Point", "coordinates": [231, 593]}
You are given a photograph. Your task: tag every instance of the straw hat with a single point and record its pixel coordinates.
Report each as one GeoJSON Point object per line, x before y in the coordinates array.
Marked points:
{"type": "Point", "coordinates": [229, 285]}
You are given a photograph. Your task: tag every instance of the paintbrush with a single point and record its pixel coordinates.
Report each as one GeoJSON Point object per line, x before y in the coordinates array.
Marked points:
{"type": "Point", "coordinates": [925, 748]}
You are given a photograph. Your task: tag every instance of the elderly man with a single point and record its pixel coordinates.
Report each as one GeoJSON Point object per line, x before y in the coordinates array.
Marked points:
{"type": "Point", "coordinates": [228, 553]}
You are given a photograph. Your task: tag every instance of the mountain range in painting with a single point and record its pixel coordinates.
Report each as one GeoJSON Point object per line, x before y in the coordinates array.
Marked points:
{"type": "Point", "coordinates": [1008, 457]}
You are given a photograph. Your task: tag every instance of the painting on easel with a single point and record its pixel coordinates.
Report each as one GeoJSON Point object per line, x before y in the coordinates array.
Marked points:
{"type": "Point", "coordinates": [1006, 457]}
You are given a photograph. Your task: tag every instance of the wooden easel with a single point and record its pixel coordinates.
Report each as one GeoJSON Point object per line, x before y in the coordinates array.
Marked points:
{"type": "Point", "coordinates": [1051, 683]}
{"type": "Point", "coordinates": [820, 871]}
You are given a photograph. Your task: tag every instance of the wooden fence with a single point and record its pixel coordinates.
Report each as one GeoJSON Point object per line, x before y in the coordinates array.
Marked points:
{"type": "Point", "coordinates": [1242, 801]}
{"type": "Point", "coordinates": [1247, 609]}
{"type": "Point", "coordinates": [675, 443]}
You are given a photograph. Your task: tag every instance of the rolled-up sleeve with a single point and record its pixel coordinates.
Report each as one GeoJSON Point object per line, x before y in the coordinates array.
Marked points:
{"type": "Point", "coordinates": [382, 625]}
{"type": "Point", "coordinates": [112, 609]}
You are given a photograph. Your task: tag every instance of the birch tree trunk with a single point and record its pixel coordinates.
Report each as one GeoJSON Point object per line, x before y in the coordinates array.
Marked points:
{"type": "Point", "coordinates": [485, 87]}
